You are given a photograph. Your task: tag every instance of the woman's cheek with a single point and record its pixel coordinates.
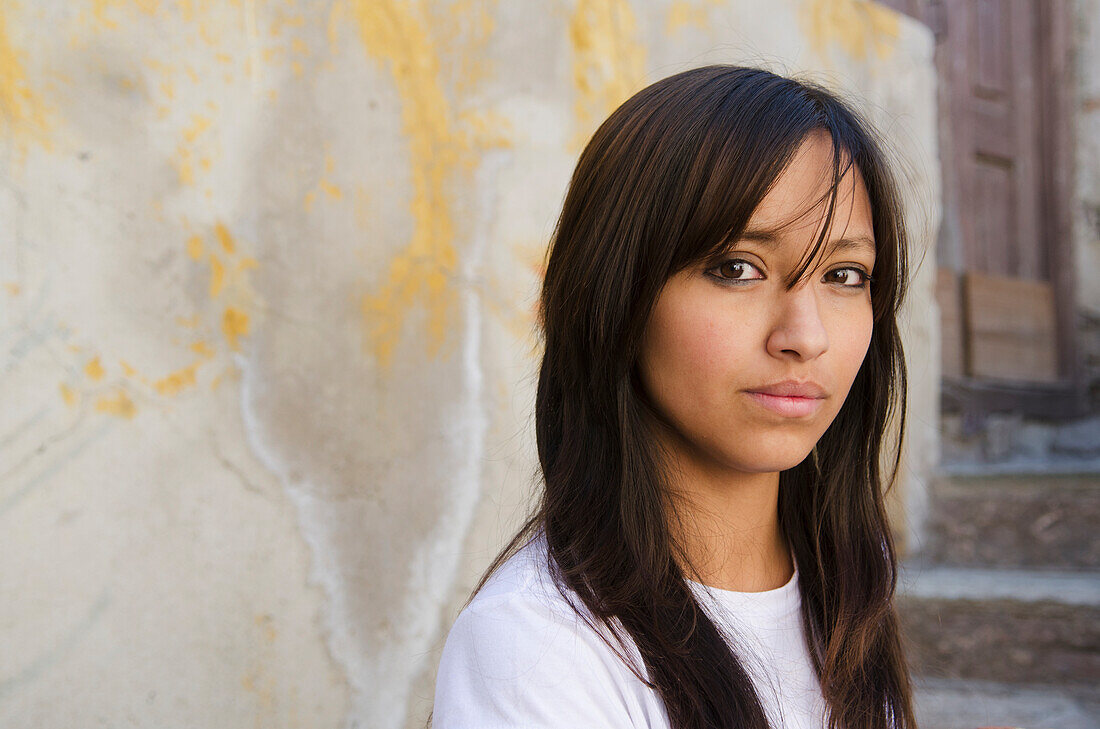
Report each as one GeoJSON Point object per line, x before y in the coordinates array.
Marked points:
{"type": "Point", "coordinates": [864, 339]}
{"type": "Point", "coordinates": [858, 344]}
{"type": "Point", "coordinates": [709, 350]}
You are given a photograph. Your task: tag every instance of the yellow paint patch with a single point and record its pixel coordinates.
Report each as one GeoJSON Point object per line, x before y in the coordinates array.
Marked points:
{"type": "Point", "coordinates": [201, 347]}
{"type": "Point", "coordinates": [172, 383]}
{"type": "Point", "coordinates": [683, 13]}
{"type": "Point", "coordinates": [234, 30]}
{"type": "Point", "coordinates": [199, 124]}
{"type": "Point", "coordinates": [217, 276]}
{"type": "Point", "coordinates": [94, 370]}
{"type": "Point", "coordinates": [194, 247]}
{"type": "Point", "coordinates": [467, 22]}
{"type": "Point", "coordinates": [162, 67]}
{"type": "Point", "coordinates": [858, 27]}
{"type": "Point", "coordinates": [488, 129]}
{"type": "Point", "coordinates": [68, 394]}
{"type": "Point", "coordinates": [119, 405]}
{"type": "Point", "coordinates": [326, 186]}
{"type": "Point", "coordinates": [183, 165]}
{"type": "Point", "coordinates": [519, 315]}
{"type": "Point", "coordinates": [396, 34]}
{"type": "Point", "coordinates": [189, 322]}
{"type": "Point", "coordinates": [127, 369]}
{"type": "Point", "coordinates": [228, 282]}
{"type": "Point", "coordinates": [227, 372]}
{"type": "Point", "coordinates": [22, 113]}
{"type": "Point", "coordinates": [12, 288]}
{"type": "Point", "coordinates": [186, 150]}
{"type": "Point", "coordinates": [234, 326]}
{"type": "Point", "coordinates": [265, 622]}
{"type": "Point", "coordinates": [225, 238]}
{"type": "Point", "coordinates": [608, 60]}
{"type": "Point", "coordinates": [335, 23]}
{"type": "Point", "coordinates": [286, 21]}
{"type": "Point", "coordinates": [100, 9]}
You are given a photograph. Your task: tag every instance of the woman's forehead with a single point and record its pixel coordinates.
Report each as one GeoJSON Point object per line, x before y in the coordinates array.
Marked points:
{"type": "Point", "coordinates": [797, 204]}
{"type": "Point", "coordinates": [804, 184]}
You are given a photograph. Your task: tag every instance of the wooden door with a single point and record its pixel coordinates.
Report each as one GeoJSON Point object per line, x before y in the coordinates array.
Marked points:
{"type": "Point", "coordinates": [1005, 297]}
{"type": "Point", "coordinates": [1004, 283]}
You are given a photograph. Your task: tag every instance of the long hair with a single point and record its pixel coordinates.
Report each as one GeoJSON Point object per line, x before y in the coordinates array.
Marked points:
{"type": "Point", "coordinates": [666, 181]}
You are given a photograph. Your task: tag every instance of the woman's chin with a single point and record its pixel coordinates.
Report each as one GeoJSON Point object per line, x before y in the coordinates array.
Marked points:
{"type": "Point", "coordinates": [768, 465]}
{"type": "Point", "coordinates": [767, 455]}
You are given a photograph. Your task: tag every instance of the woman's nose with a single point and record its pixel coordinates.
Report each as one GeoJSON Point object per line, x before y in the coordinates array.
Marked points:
{"type": "Point", "coordinates": [798, 330]}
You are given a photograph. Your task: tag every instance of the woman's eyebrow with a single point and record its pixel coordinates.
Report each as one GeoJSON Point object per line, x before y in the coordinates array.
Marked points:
{"type": "Point", "coordinates": [768, 239]}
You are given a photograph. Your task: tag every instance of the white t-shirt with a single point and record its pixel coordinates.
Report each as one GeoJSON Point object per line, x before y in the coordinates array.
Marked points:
{"type": "Point", "coordinates": [519, 656]}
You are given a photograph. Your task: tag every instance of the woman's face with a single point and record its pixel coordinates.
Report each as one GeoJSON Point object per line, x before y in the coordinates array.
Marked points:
{"type": "Point", "coordinates": [723, 331]}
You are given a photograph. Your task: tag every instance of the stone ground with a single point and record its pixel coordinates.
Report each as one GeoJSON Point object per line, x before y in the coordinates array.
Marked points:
{"type": "Point", "coordinates": [956, 704]}
{"type": "Point", "coordinates": [1001, 606]}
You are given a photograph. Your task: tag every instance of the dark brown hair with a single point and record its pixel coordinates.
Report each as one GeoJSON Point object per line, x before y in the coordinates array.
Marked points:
{"type": "Point", "coordinates": [666, 181]}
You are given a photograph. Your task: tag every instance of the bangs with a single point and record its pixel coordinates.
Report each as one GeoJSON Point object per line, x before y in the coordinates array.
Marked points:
{"type": "Point", "coordinates": [831, 194]}
{"type": "Point", "coordinates": [745, 167]}
{"type": "Point", "coordinates": [736, 166]}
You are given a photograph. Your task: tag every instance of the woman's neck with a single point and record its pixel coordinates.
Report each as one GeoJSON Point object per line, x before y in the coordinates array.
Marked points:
{"type": "Point", "coordinates": [729, 528]}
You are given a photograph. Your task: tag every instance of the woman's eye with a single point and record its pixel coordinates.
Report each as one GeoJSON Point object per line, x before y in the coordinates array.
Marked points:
{"type": "Point", "coordinates": [735, 270]}
{"type": "Point", "coordinates": [738, 270]}
{"type": "Point", "coordinates": [850, 277]}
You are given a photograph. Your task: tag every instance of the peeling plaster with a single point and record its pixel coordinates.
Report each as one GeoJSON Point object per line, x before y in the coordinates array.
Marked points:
{"type": "Point", "coordinates": [23, 114]}
{"type": "Point", "coordinates": [397, 35]}
{"type": "Point", "coordinates": [608, 60]}
{"type": "Point", "coordinates": [859, 28]}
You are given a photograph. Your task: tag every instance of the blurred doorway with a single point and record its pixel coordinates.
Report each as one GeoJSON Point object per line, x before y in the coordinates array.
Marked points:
{"type": "Point", "coordinates": [1005, 281]}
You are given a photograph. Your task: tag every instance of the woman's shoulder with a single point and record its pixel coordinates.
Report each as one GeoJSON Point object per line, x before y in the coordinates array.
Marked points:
{"type": "Point", "coordinates": [523, 580]}
{"type": "Point", "coordinates": [520, 654]}
{"type": "Point", "coordinates": [522, 612]}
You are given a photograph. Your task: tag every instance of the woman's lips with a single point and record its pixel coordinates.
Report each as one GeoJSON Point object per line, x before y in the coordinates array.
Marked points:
{"type": "Point", "coordinates": [792, 407]}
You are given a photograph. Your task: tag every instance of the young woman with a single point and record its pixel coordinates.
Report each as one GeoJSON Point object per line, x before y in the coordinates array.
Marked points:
{"type": "Point", "coordinates": [721, 357]}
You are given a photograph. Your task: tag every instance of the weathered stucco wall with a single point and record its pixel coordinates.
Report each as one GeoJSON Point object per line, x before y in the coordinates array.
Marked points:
{"type": "Point", "coordinates": [268, 273]}
{"type": "Point", "coordinates": [1086, 223]}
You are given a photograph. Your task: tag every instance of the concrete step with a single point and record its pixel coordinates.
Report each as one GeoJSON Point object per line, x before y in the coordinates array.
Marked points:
{"type": "Point", "coordinates": [1008, 626]}
{"type": "Point", "coordinates": [1014, 520]}
{"type": "Point", "coordinates": [945, 704]}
